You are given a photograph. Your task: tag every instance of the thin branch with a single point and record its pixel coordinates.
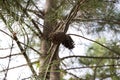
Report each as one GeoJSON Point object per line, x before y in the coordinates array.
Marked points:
{"type": "Point", "coordinates": [19, 66]}
{"type": "Point", "coordinates": [6, 73]}
{"type": "Point", "coordinates": [25, 55]}
{"type": "Point", "coordinates": [33, 21]}
{"type": "Point", "coordinates": [103, 77]}
{"type": "Point", "coordinates": [14, 37]}
{"type": "Point", "coordinates": [97, 20]}
{"type": "Point", "coordinates": [64, 25]}
{"type": "Point", "coordinates": [10, 55]}
{"type": "Point", "coordinates": [73, 75]}
{"type": "Point", "coordinates": [37, 27]}
{"type": "Point", "coordinates": [53, 49]}
{"type": "Point", "coordinates": [92, 66]}
{"type": "Point", "coordinates": [21, 42]}
{"type": "Point", "coordinates": [5, 48]}
{"type": "Point", "coordinates": [72, 14]}
{"type": "Point", "coordinates": [97, 43]}
{"type": "Point", "coordinates": [37, 13]}
{"type": "Point", "coordinates": [90, 57]}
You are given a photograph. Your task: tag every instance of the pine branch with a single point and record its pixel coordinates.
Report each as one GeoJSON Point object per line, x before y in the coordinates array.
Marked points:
{"type": "Point", "coordinates": [92, 67]}
{"type": "Point", "coordinates": [90, 57]}
{"type": "Point", "coordinates": [97, 43]}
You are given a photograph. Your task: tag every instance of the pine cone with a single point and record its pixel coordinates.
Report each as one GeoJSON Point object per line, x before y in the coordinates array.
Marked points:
{"type": "Point", "coordinates": [68, 42]}
{"type": "Point", "coordinates": [61, 37]}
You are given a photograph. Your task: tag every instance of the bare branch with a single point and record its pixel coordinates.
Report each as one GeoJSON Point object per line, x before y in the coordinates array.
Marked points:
{"type": "Point", "coordinates": [72, 75]}
{"type": "Point", "coordinates": [72, 14]}
{"type": "Point", "coordinates": [25, 55]}
{"type": "Point", "coordinates": [21, 42]}
{"type": "Point", "coordinates": [52, 50]}
{"type": "Point", "coordinates": [92, 66]}
{"type": "Point", "coordinates": [97, 43]}
{"type": "Point", "coordinates": [90, 57]}
{"type": "Point", "coordinates": [33, 21]}
{"type": "Point", "coordinates": [19, 66]}
{"type": "Point", "coordinates": [9, 61]}
{"type": "Point", "coordinates": [10, 55]}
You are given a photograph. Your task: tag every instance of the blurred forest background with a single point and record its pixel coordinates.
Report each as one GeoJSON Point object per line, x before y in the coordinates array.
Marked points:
{"type": "Point", "coordinates": [27, 52]}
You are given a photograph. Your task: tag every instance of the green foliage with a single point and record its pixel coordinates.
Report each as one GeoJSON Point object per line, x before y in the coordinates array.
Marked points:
{"type": "Point", "coordinates": [102, 15]}
{"type": "Point", "coordinates": [103, 71]}
{"type": "Point", "coordinates": [96, 49]}
{"type": "Point", "coordinates": [59, 11]}
{"type": "Point", "coordinates": [94, 8]}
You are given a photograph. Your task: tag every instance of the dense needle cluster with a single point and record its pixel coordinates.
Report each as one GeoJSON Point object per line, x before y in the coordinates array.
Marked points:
{"type": "Point", "coordinates": [61, 37]}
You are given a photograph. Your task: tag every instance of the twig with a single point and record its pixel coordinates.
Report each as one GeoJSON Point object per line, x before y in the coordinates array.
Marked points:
{"type": "Point", "coordinates": [97, 43]}
{"type": "Point", "coordinates": [92, 66]}
{"type": "Point", "coordinates": [90, 57]}
{"type": "Point", "coordinates": [8, 62]}
{"type": "Point", "coordinates": [10, 55]}
{"type": "Point", "coordinates": [19, 66]}
{"type": "Point", "coordinates": [20, 42]}
{"type": "Point", "coordinates": [55, 48]}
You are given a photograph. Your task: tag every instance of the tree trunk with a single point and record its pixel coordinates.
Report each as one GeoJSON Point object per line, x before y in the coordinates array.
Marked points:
{"type": "Point", "coordinates": [55, 71]}
{"type": "Point", "coordinates": [45, 46]}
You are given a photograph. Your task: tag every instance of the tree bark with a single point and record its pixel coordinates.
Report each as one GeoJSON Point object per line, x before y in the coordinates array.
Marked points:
{"type": "Point", "coordinates": [45, 46]}
{"type": "Point", "coordinates": [55, 71]}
